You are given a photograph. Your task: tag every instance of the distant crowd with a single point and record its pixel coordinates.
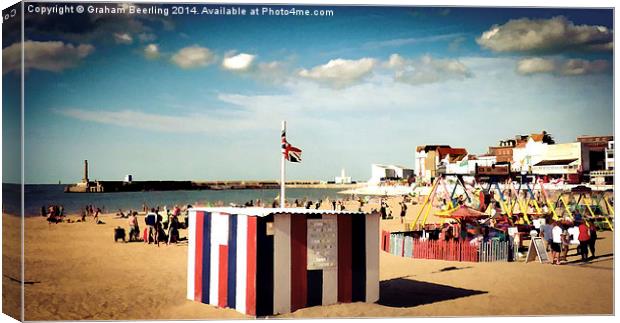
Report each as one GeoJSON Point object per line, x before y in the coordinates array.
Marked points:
{"type": "Point", "coordinates": [56, 214]}
{"type": "Point", "coordinates": [161, 225]}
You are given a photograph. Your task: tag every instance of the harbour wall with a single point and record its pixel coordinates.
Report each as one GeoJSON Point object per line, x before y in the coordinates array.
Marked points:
{"type": "Point", "coordinates": [138, 186]}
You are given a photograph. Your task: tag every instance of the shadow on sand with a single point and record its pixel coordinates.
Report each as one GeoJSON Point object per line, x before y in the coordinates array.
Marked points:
{"type": "Point", "coordinates": [591, 260]}
{"type": "Point", "coordinates": [403, 292]}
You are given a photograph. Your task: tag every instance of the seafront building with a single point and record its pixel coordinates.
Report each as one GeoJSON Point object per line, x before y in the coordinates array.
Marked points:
{"type": "Point", "coordinates": [609, 156]}
{"type": "Point", "coordinates": [535, 154]}
{"type": "Point", "coordinates": [343, 178]}
{"type": "Point", "coordinates": [380, 173]}
{"type": "Point", "coordinates": [431, 158]}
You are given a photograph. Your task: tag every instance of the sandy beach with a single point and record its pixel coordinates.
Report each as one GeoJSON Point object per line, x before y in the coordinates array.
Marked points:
{"type": "Point", "coordinates": [76, 271]}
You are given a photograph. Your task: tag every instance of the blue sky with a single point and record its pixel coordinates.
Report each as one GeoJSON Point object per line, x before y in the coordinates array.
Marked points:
{"type": "Point", "coordinates": [196, 97]}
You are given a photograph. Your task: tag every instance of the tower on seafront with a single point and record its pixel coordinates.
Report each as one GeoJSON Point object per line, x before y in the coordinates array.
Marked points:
{"type": "Point", "coordinates": [85, 179]}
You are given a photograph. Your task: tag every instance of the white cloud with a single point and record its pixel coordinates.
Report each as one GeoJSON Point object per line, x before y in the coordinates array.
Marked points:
{"type": "Point", "coordinates": [535, 65]}
{"type": "Point", "coordinates": [54, 56]}
{"type": "Point", "coordinates": [193, 57]}
{"type": "Point", "coordinates": [340, 73]}
{"type": "Point", "coordinates": [583, 67]}
{"type": "Point", "coordinates": [395, 62]}
{"type": "Point", "coordinates": [191, 123]}
{"type": "Point", "coordinates": [146, 37]}
{"type": "Point", "coordinates": [239, 62]}
{"type": "Point", "coordinates": [151, 51]}
{"type": "Point", "coordinates": [272, 72]}
{"type": "Point", "coordinates": [409, 41]}
{"type": "Point", "coordinates": [426, 69]}
{"type": "Point", "coordinates": [123, 38]}
{"type": "Point", "coordinates": [545, 35]}
{"type": "Point", "coordinates": [563, 67]}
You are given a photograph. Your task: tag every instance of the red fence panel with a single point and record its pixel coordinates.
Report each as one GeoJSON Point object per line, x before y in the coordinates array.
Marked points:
{"type": "Point", "coordinates": [453, 250]}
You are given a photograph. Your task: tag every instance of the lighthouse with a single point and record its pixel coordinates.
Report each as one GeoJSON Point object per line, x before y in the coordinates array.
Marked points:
{"type": "Point", "coordinates": [85, 179]}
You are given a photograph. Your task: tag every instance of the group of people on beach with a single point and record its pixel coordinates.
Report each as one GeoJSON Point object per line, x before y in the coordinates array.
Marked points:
{"type": "Point", "coordinates": [53, 213]}
{"type": "Point", "coordinates": [334, 204]}
{"type": "Point", "coordinates": [162, 227]}
{"type": "Point", "coordinates": [560, 235]}
{"type": "Point", "coordinates": [92, 211]}
{"type": "Point", "coordinates": [56, 214]}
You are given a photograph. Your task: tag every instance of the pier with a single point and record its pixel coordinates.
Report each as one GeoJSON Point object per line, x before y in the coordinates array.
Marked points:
{"type": "Point", "coordinates": [138, 186]}
{"type": "Point", "coordinates": [88, 186]}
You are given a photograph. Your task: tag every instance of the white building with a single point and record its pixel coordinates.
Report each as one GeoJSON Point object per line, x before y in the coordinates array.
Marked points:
{"type": "Point", "coordinates": [524, 158]}
{"type": "Point", "coordinates": [467, 166]}
{"type": "Point", "coordinates": [420, 165]}
{"type": "Point", "coordinates": [342, 179]}
{"type": "Point", "coordinates": [609, 156]}
{"type": "Point", "coordinates": [383, 172]}
{"type": "Point", "coordinates": [561, 159]}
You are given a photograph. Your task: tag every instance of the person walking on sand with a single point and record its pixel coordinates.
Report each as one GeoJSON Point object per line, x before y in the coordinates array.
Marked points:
{"type": "Point", "coordinates": [150, 219]}
{"type": "Point", "coordinates": [383, 209]}
{"type": "Point", "coordinates": [134, 228]}
{"type": "Point", "coordinates": [403, 211]}
{"type": "Point", "coordinates": [565, 243]}
{"type": "Point", "coordinates": [96, 216]}
{"type": "Point", "coordinates": [173, 230]}
{"type": "Point", "coordinates": [584, 237]}
{"type": "Point", "coordinates": [546, 234]}
{"type": "Point", "coordinates": [592, 241]}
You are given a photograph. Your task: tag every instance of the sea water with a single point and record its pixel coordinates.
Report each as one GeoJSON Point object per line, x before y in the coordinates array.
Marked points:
{"type": "Point", "coordinates": [37, 196]}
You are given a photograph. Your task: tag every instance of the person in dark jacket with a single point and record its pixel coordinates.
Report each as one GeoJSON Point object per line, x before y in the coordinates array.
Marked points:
{"type": "Point", "coordinates": [592, 241]}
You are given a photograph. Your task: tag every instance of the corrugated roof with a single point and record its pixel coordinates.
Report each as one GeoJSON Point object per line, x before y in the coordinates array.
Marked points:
{"type": "Point", "coordinates": [263, 211]}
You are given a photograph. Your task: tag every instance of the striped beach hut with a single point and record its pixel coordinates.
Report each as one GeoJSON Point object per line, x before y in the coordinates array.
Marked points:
{"type": "Point", "coordinates": [264, 261]}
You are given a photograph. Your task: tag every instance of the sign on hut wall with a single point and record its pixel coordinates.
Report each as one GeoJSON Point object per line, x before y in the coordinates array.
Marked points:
{"type": "Point", "coordinates": [322, 244]}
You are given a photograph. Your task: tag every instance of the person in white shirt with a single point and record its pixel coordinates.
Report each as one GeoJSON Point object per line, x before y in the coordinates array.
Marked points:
{"type": "Point", "coordinates": [574, 235]}
{"type": "Point", "coordinates": [556, 245]}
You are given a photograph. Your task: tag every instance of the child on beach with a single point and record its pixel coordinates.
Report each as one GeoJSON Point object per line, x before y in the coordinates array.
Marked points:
{"type": "Point", "coordinates": [403, 211]}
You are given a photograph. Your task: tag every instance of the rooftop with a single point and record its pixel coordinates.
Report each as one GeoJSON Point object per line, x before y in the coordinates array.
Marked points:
{"type": "Point", "coordinates": [262, 212]}
{"type": "Point", "coordinates": [451, 151]}
{"type": "Point", "coordinates": [428, 148]}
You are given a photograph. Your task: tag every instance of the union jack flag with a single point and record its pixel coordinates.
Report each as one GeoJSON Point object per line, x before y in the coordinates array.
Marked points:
{"type": "Point", "coordinates": [292, 154]}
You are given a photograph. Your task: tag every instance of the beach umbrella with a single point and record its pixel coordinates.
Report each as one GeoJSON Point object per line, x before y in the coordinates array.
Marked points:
{"type": "Point", "coordinates": [464, 213]}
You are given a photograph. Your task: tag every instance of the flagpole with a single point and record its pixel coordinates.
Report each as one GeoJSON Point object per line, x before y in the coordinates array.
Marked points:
{"type": "Point", "coordinates": [282, 172]}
